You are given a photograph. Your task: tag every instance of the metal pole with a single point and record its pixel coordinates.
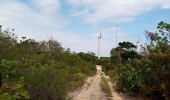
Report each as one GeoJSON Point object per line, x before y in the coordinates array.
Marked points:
{"type": "Point", "coordinates": [137, 43]}
{"type": "Point", "coordinates": [116, 36]}
{"type": "Point", "coordinates": [117, 46]}
{"type": "Point", "coordinates": [100, 36]}
{"type": "Point", "coordinates": [98, 47]}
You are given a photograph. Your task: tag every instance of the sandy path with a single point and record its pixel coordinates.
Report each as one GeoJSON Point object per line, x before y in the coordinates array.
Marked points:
{"type": "Point", "coordinates": [91, 90]}
{"type": "Point", "coordinates": [116, 95]}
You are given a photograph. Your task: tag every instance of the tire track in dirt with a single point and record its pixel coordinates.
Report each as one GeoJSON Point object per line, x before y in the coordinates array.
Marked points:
{"type": "Point", "coordinates": [91, 90]}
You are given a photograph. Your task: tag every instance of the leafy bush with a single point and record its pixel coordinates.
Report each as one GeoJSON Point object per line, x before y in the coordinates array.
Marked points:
{"type": "Point", "coordinates": [146, 74]}
{"type": "Point", "coordinates": [45, 83]}
{"type": "Point", "coordinates": [47, 71]}
{"type": "Point", "coordinates": [14, 91]}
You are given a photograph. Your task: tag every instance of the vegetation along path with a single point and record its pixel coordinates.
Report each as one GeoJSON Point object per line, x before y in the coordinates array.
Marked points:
{"type": "Point", "coordinates": [91, 90]}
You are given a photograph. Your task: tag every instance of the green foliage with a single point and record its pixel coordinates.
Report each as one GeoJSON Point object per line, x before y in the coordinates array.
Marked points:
{"type": "Point", "coordinates": [127, 45]}
{"type": "Point", "coordinates": [90, 56]}
{"type": "Point", "coordinates": [6, 96]}
{"type": "Point", "coordinates": [124, 52]}
{"type": "Point", "coordinates": [116, 55]}
{"type": "Point", "coordinates": [128, 78]}
{"type": "Point", "coordinates": [44, 83]}
{"type": "Point", "coordinates": [148, 74]}
{"type": "Point", "coordinates": [14, 91]}
{"type": "Point", "coordinates": [159, 41]}
{"type": "Point", "coordinates": [9, 70]}
{"type": "Point", "coordinates": [129, 55]}
{"type": "Point", "coordinates": [40, 70]}
{"type": "Point", "coordinates": [159, 54]}
{"type": "Point", "coordinates": [105, 87]}
{"type": "Point", "coordinates": [76, 80]}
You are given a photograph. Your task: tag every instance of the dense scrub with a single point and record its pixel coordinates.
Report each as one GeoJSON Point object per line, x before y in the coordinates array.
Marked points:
{"type": "Point", "coordinates": [39, 70]}
{"type": "Point", "coordinates": [146, 74]}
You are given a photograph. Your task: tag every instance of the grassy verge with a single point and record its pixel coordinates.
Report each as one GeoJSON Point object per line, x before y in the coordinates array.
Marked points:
{"type": "Point", "coordinates": [105, 87]}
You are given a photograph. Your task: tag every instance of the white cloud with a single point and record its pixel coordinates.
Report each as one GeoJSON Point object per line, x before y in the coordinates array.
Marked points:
{"type": "Point", "coordinates": [96, 11]}
{"type": "Point", "coordinates": [39, 25]}
{"type": "Point", "coordinates": [109, 39]}
{"type": "Point", "coordinates": [47, 6]}
{"type": "Point", "coordinates": [41, 19]}
{"type": "Point", "coordinates": [165, 5]}
{"type": "Point", "coordinates": [27, 21]}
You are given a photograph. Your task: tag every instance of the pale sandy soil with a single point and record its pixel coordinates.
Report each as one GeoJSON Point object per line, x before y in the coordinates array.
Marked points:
{"type": "Point", "coordinates": [91, 90]}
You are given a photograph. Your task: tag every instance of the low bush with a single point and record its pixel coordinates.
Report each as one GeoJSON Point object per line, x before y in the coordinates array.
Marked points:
{"type": "Point", "coordinates": [146, 74]}
{"type": "Point", "coordinates": [40, 70]}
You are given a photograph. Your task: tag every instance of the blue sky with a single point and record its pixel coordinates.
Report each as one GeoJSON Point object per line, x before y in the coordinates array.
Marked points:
{"type": "Point", "coordinates": [77, 23]}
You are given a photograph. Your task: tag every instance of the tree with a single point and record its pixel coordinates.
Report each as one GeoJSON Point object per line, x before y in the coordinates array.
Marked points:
{"type": "Point", "coordinates": [7, 41]}
{"type": "Point", "coordinates": [159, 54]}
{"type": "Point", "coordinates": [116, 55]}
{"type": "Point", "coordinates": [24, 64]}
{"type": "Point", "coordinates": [159, 40]}
{"type": "Point", "coordinates": [129, 50]}
{"type": "Point", "coordinates": [127, 45]}
{"type": "Point", "coordinates": [90, 56]}
{"type": "Point", "coordinates": [1, 30]}
{"type": "Point", "coordinates": [54, 46]}
{"type": "Point", "coordinates": [125, 51]}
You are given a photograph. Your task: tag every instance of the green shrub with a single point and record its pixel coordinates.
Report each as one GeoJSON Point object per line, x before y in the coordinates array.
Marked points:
{"type": "Point", "coordinates": [47, 70]}
{"type": "Point", "coordinates": [105, 87]}
{"type": "Point", "coordinates": [14, 91]}
{"type": "Point", "coordinates": [9, 68]}
{"type": "Point", "coordinates": [45, 83]}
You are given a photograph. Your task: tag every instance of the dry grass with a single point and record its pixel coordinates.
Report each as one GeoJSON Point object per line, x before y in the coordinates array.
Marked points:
{"type": "Point", "coordinates": [105, 87]}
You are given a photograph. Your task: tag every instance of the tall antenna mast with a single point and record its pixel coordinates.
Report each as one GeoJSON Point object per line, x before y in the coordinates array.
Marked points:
{"type": "Point", "coordinates": [137, 43]}
{"type": "Point", "coordinates": [116, 36]}
{"type": "Point", "coordinates": [99, 38]}
{"type": "Point", "coordinates": [117, 45]}
{"type": "Point", "coordinates": [0, 29]}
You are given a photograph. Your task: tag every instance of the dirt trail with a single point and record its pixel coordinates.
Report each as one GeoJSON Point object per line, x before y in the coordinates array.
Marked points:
{"type": "Point", "coordinates": [91, 90]}
{"type": "Point", "coordinates": [116, 95]}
